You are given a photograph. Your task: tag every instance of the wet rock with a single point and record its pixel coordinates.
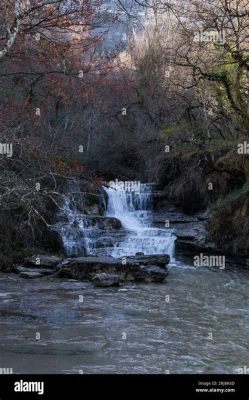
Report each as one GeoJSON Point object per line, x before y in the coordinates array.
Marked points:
{"type": "Point", "coordinates": [164, 210]}
{"type": "Point", "coordinates": [204, 215]}
{"type": "Point", "coordinates": [99, 221]}
{"type": "Point", "coordinates": [187, 248]}
{"type": "Point", "coordinates": [160, 218]}
{"type": "Point", "coordinates": [145, 274]}
{"type": "Point", "coordinates": [43, 261]}
{"type": "Point", "coordinates": [85, 197]}
{"type": "Point", "coordinates": [154, 274]}
{"type": "Point", "coordinates": [107, 280]}
{"type": "Point", "coordinates": [92, 210]}
{"type": "Point", "coordinates": [106, 223]}
{"type": "Point", "coordinates": [41, 271]}
{"type": "Point", "coordinates": [102, 271]}
{"type": "Point", "coordinates": [30, 274]}
{"type": "Point", "coordinates": [104, 242]}
{"type": "Point", "coordinates": [160, 260]}
{"type": "Point", "coordinates": [191, 247]}
{"type": "Point", "coordinates": [194, 232]}
{"type": "Point", "coordinates": [133, 269]}
{"type": "Point", "coordinates": [160, 201]}
{"type": "Point", "coordinates": [192, 240]}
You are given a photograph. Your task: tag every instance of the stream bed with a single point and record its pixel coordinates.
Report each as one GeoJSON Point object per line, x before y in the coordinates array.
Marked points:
{"type": "Point", "coordinates": [195, 322]}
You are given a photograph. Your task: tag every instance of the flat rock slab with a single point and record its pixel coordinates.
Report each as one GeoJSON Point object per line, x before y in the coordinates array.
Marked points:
{"type": "Point", "coordinates": [142, 269]}
{"type": "Point", "coordinates": [91, 260]}
{"type": "Point", "coordinates": [160, 260]}
{"type": "Point", "coordinates": [101, 271]}
{"type": "Point", "coordinates": [157, 259]}
{"type": "Point", "coordinates": [173, 218]}
{"type": "Point", "coordinates": [30, 275]}
{"type": "Point", "coordinates": [43, 261]}
{"type": "Point", "coordinates": [40, 271]}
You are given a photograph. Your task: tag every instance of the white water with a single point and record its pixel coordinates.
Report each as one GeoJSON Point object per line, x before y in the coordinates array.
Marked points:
{"type": "Point", "coordinates": [133, 210]}
{"type": "Point", "coordinates": [81, 234]}
{"type": "Point", "coordinates": [77, 234]}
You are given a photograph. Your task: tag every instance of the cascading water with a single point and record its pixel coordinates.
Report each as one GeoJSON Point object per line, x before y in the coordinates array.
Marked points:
{"type": "Point", "coordinates": [76, 231]}
{"type": "Point", "coordinates": [129, 207]}
{"type": "Point", "coordinates": [132, 209]}
{"type": "Point", "coordinates": [83, 234]}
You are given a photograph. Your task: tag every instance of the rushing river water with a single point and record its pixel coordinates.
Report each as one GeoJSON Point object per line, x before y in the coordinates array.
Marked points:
{"type": "Point", "coordinates": [195, 322]}
{"type": "Point", "coordinates": [162, 333]}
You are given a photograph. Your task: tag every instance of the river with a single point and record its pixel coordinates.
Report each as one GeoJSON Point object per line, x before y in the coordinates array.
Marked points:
{"type": "Point", "coordinates": [167, 326]}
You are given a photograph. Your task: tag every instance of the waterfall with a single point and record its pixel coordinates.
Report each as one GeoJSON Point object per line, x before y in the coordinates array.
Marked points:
{"type": "Point", "coordinates": [134, 212]}
{"type": "Point", "coordinates": [129, 207]}
{"type": "Point", "coordinates": [83, 234]}
{"type": "Point", "coordinates": [77, 233]}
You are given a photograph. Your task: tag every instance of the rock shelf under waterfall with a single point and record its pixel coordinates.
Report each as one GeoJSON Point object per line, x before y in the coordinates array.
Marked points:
{"type": "Point", "coordinates": [101, 271]}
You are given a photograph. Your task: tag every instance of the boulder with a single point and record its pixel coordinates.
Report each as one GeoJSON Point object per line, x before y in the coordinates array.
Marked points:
{"type": "Point", "coordinates": [192, 240]}
{"type": "Point", "coordinates": [107, 280]}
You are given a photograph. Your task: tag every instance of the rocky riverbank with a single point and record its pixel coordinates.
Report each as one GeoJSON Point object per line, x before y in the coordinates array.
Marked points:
{"type": "Point", "coordinates": [201, 232]}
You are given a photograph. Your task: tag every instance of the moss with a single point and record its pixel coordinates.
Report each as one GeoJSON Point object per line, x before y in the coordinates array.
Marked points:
{"type": "Point", "coordinates": [168, 130]}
